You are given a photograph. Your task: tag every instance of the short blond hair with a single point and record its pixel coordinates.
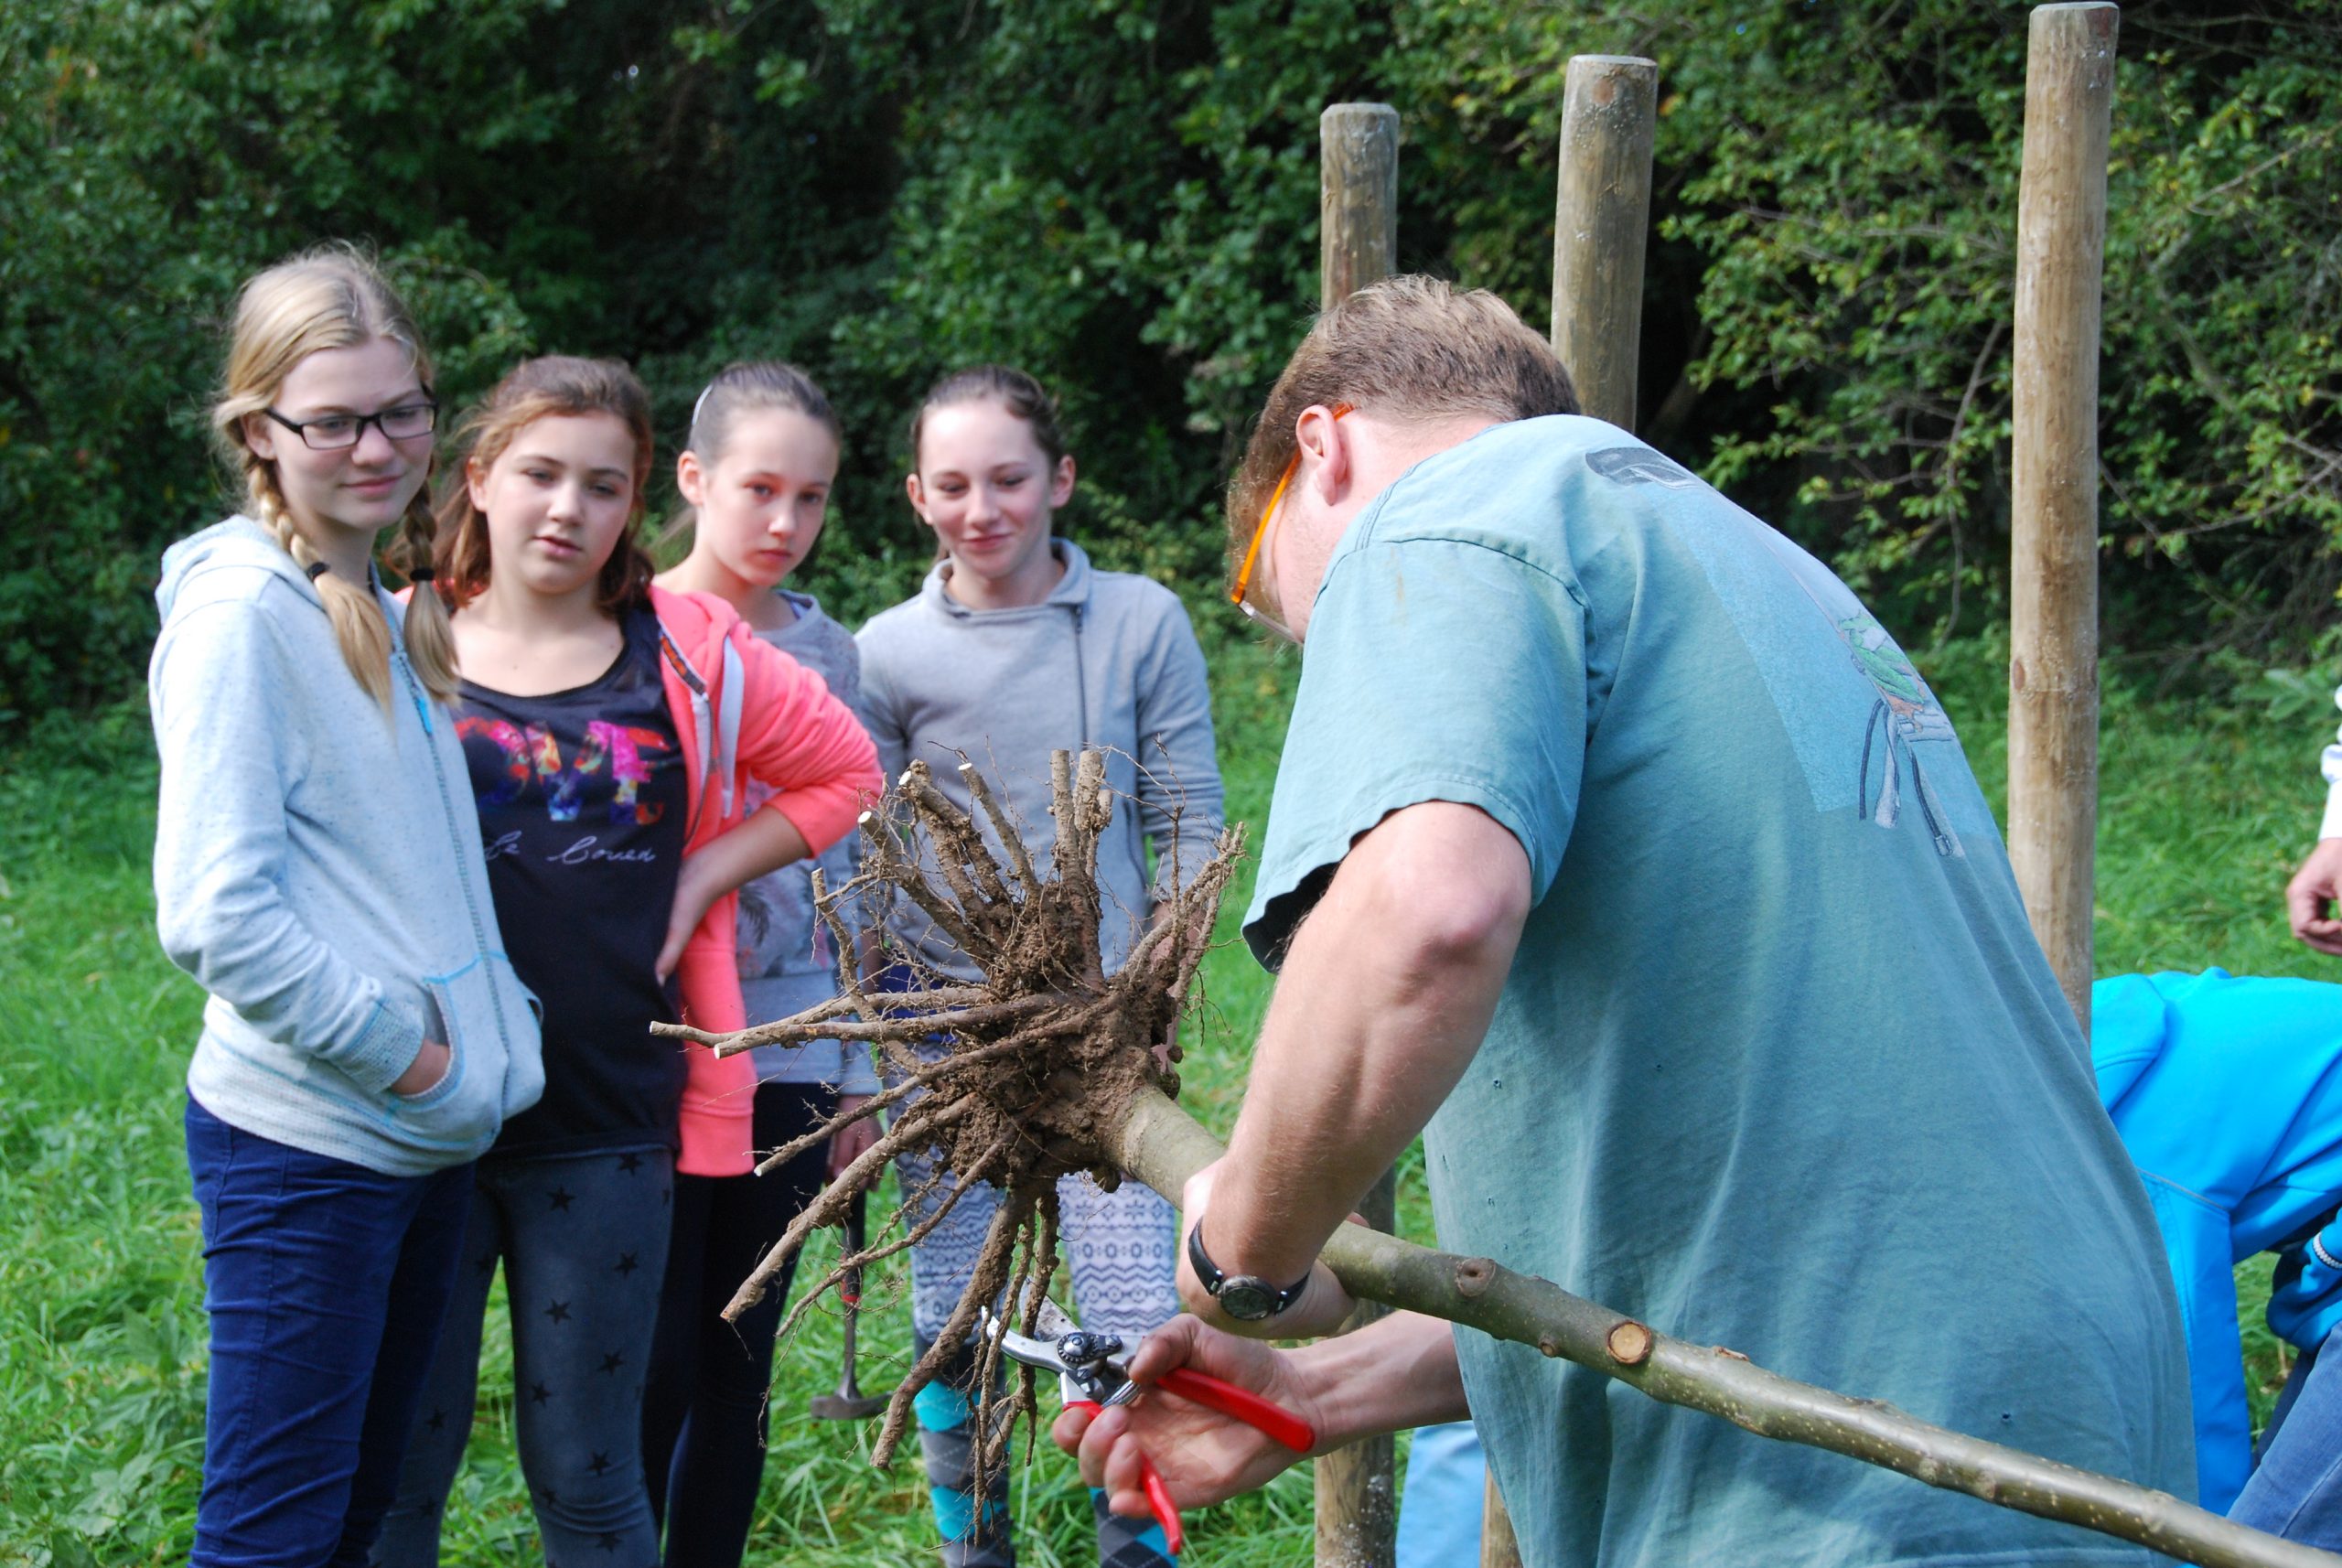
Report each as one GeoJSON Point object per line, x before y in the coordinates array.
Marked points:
{"type": "Point", "coordinates": [1409, 346]}
{"type": "Point", "coordinates": [331, 297]}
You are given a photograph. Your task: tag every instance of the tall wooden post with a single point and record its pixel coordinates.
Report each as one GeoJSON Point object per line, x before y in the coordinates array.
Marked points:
{"type": "Point", "coordinates": [1357, 204]}
{"type": "Point", "coordinates": [1357, 1488]}
{"type": "Point", "coordinates": [1600, 213]}
{"type": "Point", "coordinates": [2053, 595]}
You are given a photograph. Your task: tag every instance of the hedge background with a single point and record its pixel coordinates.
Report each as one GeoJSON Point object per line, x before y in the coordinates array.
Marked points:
{"type": "Point", "coordinates": [1121, 196]}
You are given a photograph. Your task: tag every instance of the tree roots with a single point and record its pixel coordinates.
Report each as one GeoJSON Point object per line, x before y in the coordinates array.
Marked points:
{"type": "Point", "coordinates": [1016, 1081]}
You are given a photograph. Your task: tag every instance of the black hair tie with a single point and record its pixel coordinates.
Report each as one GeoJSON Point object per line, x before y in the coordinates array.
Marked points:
{"type": "Point", "coordinates": [421, 574]}
{"type": "Point", "coordinates": [317, 569]}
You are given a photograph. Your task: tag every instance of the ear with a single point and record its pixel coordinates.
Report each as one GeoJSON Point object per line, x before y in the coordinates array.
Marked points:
{"type": "Point", "coordinates": [260, 437]}
{"type": "Point", "coordinates": [476, 484]}
{"type": "Point", "coordinates": [1323, 437]}
{"type": "Point", "coordinates": [690, 478]}
{"type": "Point", "coordinates": [918, 493]}
{"type": "Point", "coordinates": [1061, 482]}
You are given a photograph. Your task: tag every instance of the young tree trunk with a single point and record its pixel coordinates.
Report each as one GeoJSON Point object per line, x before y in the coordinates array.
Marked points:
{"type": "Point", "coordinates": [1162, 1145]}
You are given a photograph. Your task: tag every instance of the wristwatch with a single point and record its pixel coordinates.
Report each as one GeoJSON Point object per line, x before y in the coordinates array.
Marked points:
{"type": "Point", "coordinates": [1248, 1298]}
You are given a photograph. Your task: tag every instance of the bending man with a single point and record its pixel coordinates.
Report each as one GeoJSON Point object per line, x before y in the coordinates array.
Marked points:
{"type": "Point", "coordinates": [1620, 852]}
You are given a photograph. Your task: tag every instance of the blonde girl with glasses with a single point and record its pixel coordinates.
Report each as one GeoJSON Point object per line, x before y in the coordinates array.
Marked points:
{"type": "Point", "coordinates": [617, 737]}
{"type": "Point", "coordinates": [319, 871]}
{"type": "Point", "coordinates": [1015, 646]}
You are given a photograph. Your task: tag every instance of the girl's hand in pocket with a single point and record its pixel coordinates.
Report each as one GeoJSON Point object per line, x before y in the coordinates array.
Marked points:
{"type": "Point", "coordinates": [427, 1072]}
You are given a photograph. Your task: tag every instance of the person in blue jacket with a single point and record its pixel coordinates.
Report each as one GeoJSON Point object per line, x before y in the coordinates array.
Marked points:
{"type": "Point", "coordinates": [2228, 1092]}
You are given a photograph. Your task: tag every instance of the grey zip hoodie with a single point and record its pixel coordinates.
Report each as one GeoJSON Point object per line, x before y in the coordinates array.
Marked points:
{"type": "Point", "coordinates": [1107, 660]}
{"type": "Point", "coordinates": [317, 870]}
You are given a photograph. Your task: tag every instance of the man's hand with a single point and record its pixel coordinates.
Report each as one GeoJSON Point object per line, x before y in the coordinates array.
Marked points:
{"type": "Point", "coordinates": [1203, 1456]}
{"type": "Point", "coordinates": [1324, 1302]}
{"type": "Point", "coordinates": [1398, 1371]}
{"type": "Point", "coordinates": [854, 1140]}
{"type": "Point", "coordinates": [2311, 896]}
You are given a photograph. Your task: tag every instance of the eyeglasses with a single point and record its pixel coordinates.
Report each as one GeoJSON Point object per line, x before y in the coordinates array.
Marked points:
{"type": "Point", "coordinates": [1261, 530]}
{"type": "Point", "coordinates": [336, 432]}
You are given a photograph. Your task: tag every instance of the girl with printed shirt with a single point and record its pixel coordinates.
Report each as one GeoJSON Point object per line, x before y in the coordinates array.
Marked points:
{"type": "Point", "coordinates": [1017, 646]}
{"type": "Point", "coordinates": [612, 730]}
{"type": "Point", "coordinates": [318, 868]}
{"type": "Point", "coordinates": [756, 475]}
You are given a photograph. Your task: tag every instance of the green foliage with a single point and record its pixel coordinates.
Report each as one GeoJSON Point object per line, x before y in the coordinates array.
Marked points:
{"type": "Point", "coordinates": [1121, 196]}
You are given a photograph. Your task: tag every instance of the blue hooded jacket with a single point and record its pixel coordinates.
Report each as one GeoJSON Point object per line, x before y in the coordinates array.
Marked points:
{"type": "Point", "coordinates": [2227, 1093]}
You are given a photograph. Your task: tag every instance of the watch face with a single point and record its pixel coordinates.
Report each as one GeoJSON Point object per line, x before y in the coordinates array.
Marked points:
{"type": "Point", "coordinates": [1246, 1299]}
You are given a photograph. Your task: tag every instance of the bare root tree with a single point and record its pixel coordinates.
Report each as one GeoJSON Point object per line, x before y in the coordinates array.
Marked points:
{"type": "Point", "coordinates": [1020, 1075]}
{"type": "Point", "coordinates": [1048, 1066]}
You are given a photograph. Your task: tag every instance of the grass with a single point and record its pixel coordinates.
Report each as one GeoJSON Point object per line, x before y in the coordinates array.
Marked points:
{"type": "Point", "coordinates": [2205, 806]}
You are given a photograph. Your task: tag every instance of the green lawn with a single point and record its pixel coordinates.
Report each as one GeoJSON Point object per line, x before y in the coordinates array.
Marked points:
{"type": "Point", "coordinates": [2203, 809]}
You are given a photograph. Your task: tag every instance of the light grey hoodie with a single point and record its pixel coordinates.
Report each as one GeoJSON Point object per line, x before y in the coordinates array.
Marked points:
{"type": "Point", "coordinates": [317, 870]}
{"type": "Point", "coordinates": [1107, 660]}
{"type": "Point", "coordinates": [787, 962]}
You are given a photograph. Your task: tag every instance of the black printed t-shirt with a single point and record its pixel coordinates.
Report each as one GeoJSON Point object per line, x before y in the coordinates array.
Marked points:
{"type": "Point", "coordinates": [581, 810]}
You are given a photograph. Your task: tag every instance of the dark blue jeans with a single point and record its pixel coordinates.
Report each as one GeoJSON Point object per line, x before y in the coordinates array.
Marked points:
{"type": "Point", "coordinates": [2295, 1489]}
{"type": "Point", "coordinates": [326, 1282]}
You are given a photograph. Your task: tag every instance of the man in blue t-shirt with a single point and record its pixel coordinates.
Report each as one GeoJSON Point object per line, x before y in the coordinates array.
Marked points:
{"type": "Point", "coordinates": [1619, 850]}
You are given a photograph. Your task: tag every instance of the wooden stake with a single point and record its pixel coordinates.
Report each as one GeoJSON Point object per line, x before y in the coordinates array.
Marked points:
{"type": "Point", "coordinates": [1601, 214]}
{"type": "Point", "coordinates": [1602, 211]}
{"type": "Point", "coordinates": [1358, 201]}
{"type": "Point", "coordinates": [2053, 599]}
{"type": "Point", "coordinates": [1357, 1490]}
{"type": "Point", "coordinates": [1497, 1547]}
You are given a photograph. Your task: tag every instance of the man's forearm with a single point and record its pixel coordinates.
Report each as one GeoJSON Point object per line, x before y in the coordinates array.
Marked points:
{"type": "Point", "coordinates": [1398, 1371]}
{"type": "Point", "coordinates": [1385, 995]}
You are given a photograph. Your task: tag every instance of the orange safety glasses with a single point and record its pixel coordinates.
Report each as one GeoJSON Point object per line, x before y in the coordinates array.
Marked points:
{"type": "Point", "coordinates": [1261, 530]}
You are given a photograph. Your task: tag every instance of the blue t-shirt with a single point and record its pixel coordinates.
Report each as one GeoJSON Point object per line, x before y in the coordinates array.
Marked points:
{"type": "Point", "coordinates": [1778, 1065]}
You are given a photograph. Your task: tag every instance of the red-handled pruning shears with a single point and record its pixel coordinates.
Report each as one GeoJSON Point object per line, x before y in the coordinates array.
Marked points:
{"type": "Point", "coordinates": [1093, 1372]}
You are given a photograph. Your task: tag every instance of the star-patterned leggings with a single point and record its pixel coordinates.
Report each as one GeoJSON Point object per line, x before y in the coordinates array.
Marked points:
{"type": "Point", "coordinates": [583, 1239]}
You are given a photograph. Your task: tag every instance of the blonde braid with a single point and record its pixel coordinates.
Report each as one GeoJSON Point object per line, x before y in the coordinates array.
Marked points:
{"type": "Point", "coordinates": [430, 632]}
{"type": "Point", "coordinates": [360, 628]}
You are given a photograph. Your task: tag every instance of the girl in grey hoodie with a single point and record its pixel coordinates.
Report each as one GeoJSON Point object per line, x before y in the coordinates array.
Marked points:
{"type": "Point", "coordinates": [1014, 648]}
{"type": "Point", "coordinates": [318, 868]}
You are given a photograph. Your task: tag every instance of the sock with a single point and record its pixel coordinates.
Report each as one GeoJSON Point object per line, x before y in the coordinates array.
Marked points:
{"type": "Point", "coordinates": [946, 1429]}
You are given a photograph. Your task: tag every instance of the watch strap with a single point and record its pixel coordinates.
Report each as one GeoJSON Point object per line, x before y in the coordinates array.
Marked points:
{"type": "Point", "coordinates": [1215, 1280]}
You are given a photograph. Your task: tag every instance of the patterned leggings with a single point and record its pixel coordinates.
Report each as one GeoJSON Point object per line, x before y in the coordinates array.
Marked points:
{"type": "Point", "coordinates": [1121, 1248]}
{"type": "Point", "coordinates": [583, 1239]}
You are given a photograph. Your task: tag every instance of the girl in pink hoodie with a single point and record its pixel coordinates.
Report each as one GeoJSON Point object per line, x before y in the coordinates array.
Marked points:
{"type": "Point", "coordinates": [613, 731]}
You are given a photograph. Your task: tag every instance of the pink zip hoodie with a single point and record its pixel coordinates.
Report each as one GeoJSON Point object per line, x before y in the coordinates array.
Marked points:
{"type": "Point", "coordinates": [743, 709]}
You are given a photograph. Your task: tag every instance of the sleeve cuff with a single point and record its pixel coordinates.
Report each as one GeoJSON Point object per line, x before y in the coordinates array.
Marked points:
{"type": "Point", "coordinates": [383, 1049]}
